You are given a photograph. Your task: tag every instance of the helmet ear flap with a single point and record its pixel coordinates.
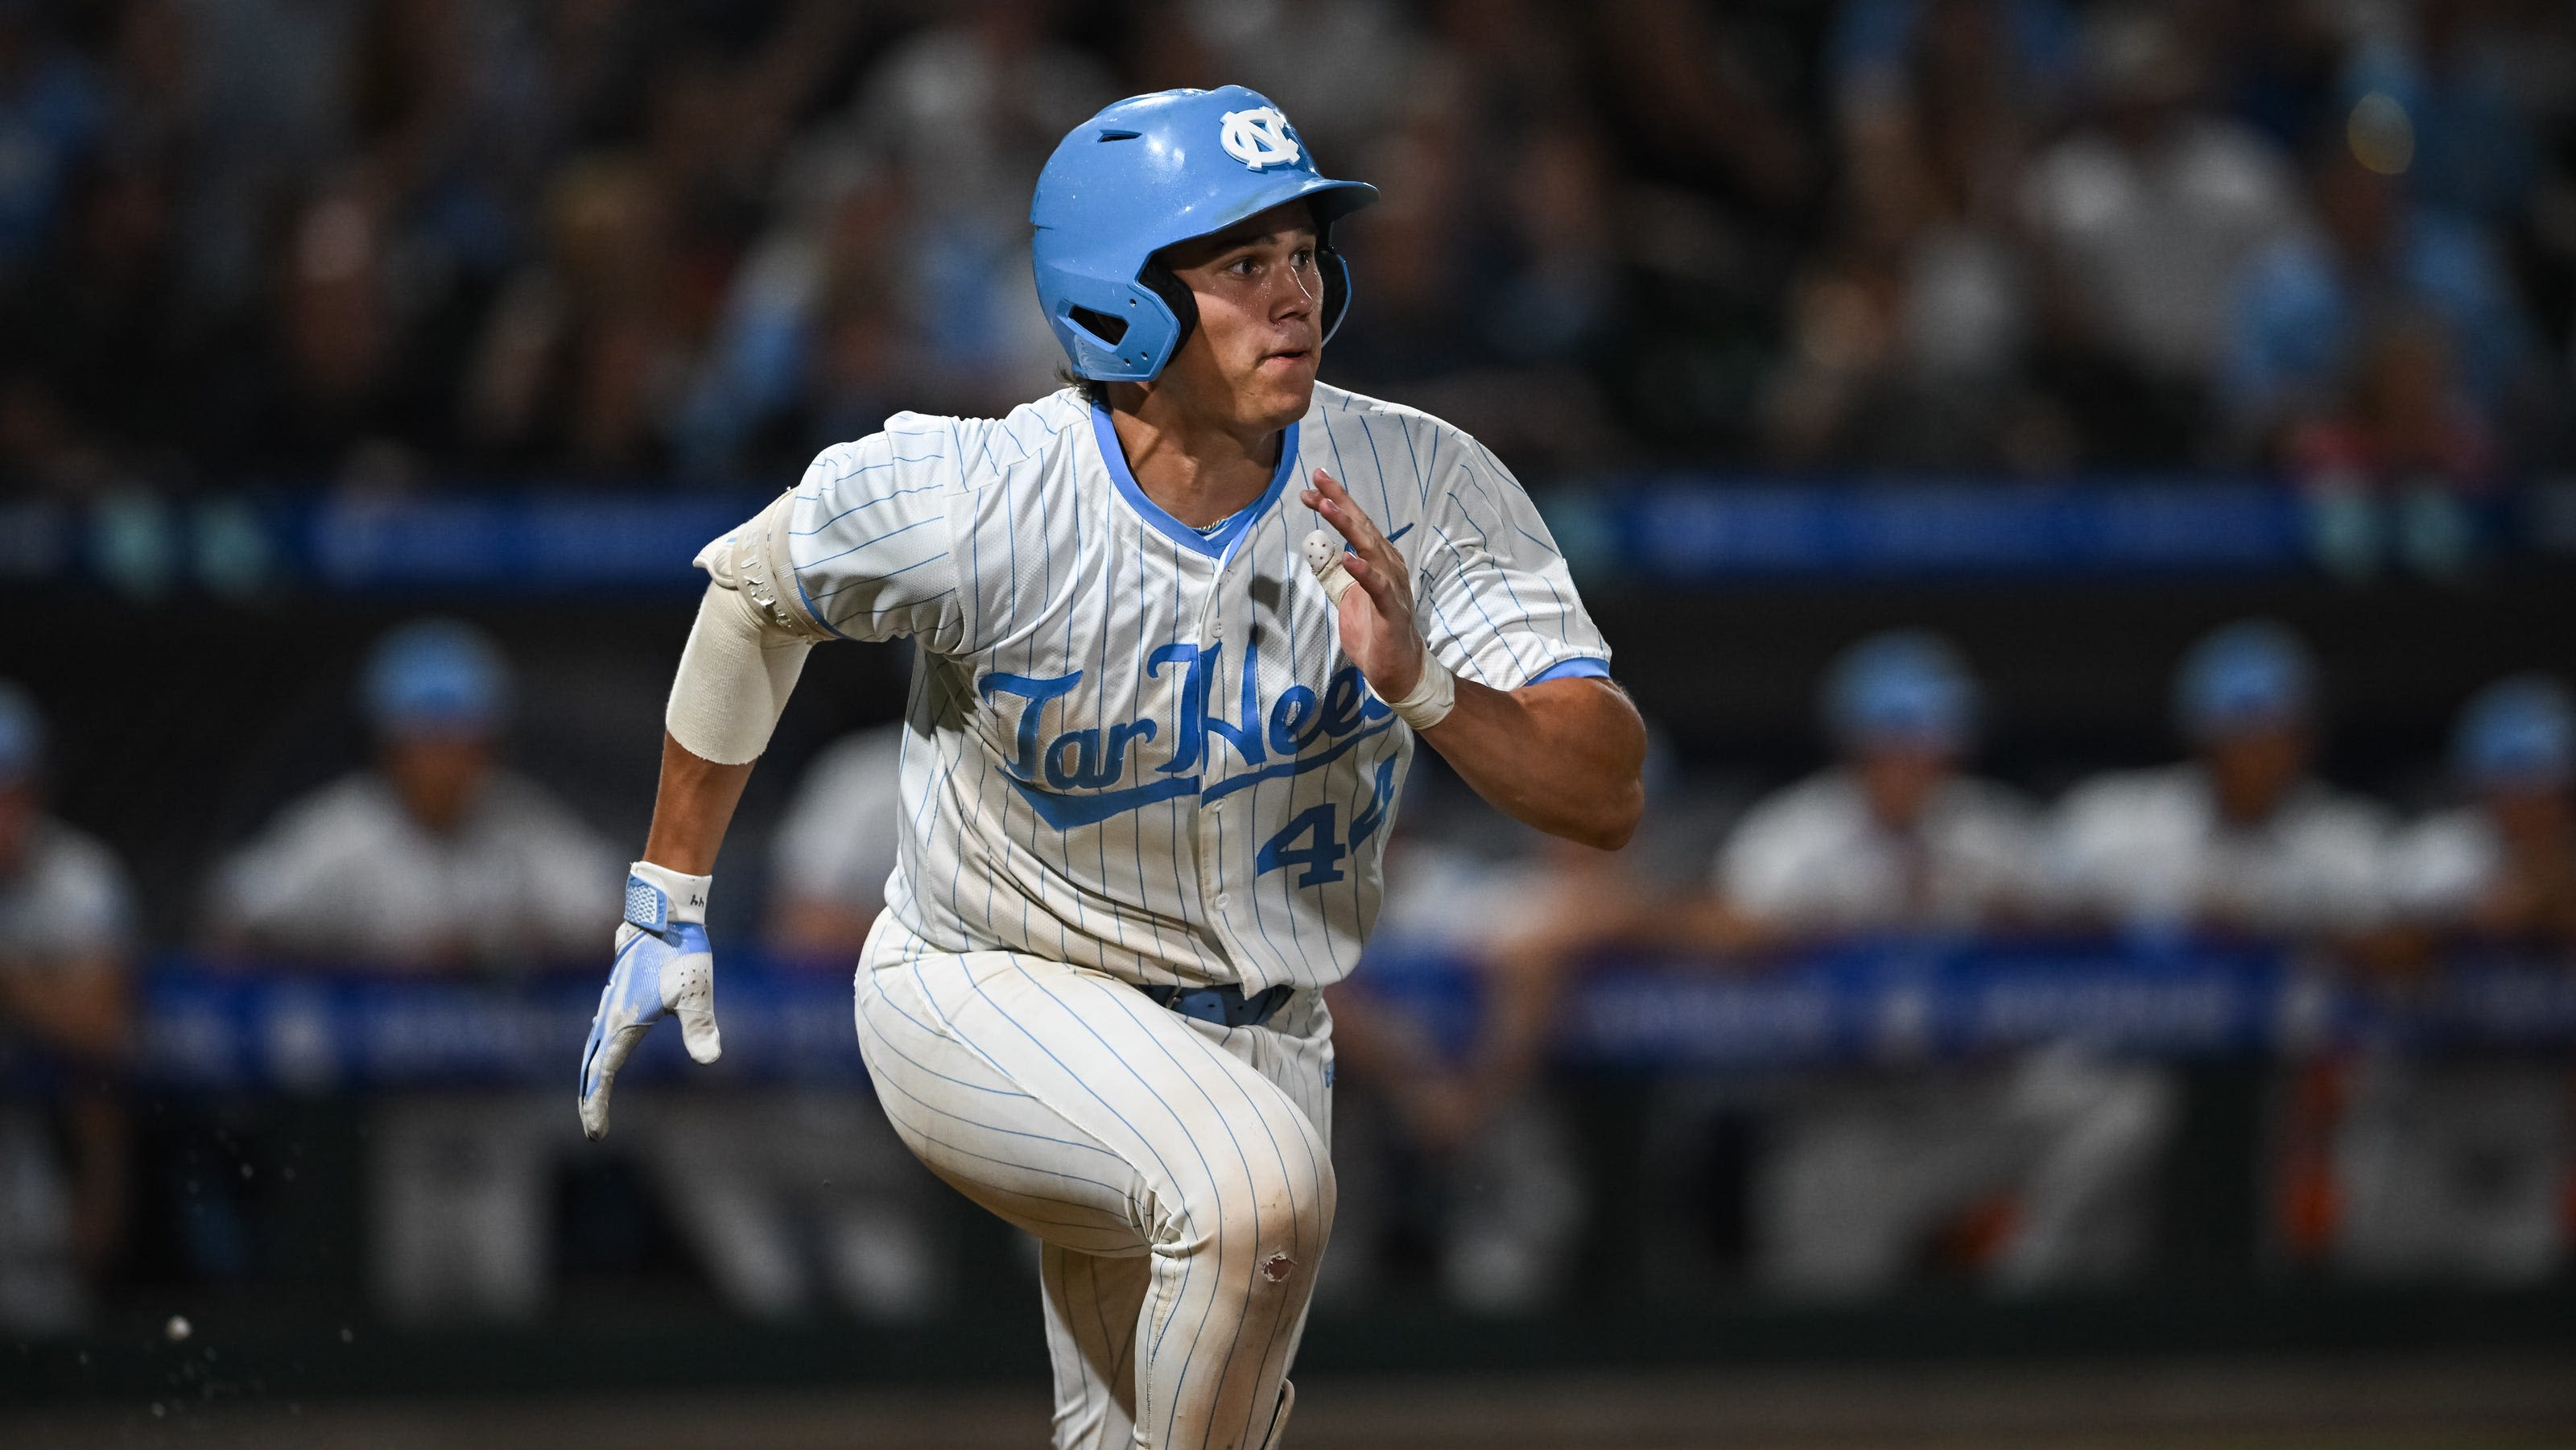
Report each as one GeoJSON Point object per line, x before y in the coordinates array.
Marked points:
{"type": "Point", "coordinates": [1336, 270]}
{"type": "Point", "coordinates": [1162, 282]}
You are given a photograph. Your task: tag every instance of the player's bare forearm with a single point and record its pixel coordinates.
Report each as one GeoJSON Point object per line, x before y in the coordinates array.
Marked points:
{"type": "Point", "coordinates": [691, 809]}
{"type": "Point", "coordinates": [1565, 756]}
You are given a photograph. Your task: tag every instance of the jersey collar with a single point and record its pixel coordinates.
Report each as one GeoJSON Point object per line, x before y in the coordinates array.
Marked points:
{"type": "Point", "coordinates": [1219, 545]}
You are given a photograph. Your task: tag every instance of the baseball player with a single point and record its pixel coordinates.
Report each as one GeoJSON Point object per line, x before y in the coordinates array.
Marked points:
{"type": "Point", "coordinates": [1178, 627]}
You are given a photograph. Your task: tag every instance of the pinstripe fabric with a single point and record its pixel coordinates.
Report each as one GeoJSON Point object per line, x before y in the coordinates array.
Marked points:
{"type": "Point", "coordinates": [1136, 749]}
{"type": "Point", "coordinates": [1178, 1174]}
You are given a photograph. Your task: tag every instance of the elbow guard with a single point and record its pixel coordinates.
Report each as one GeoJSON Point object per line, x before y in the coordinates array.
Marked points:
{"type": "Point", "coordinates": [747, 647]}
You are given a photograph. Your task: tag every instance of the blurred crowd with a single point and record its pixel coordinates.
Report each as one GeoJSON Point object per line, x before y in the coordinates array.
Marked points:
{"type": "Point", "coordinates": [390, 243]}
{"type": "Point", "coordinates": [1459, 1159]}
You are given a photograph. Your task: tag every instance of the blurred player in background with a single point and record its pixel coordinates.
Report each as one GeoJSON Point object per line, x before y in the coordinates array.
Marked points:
{"type": "Point", "coordinates": [2242, 839]}
{"type": "Point", "coordinates": [2026, 1173]}
{"type": "Point", "coordinates": [66, 942]}
{"type": "Point", "coordinates": [2501, 869]}
{"type": "Point", "coordinates": [2240, 842]}
{"type": "Point", "coordinates": [1895, 836]}
{"type": "Point", "coordinates": [1160, 716]}
{"type": "Point", "coordinates": [435, 860]}
{"type": "Point", "coordinates": [2464, 1165]}
{"type": "Point", "coordinates": [829, 862]}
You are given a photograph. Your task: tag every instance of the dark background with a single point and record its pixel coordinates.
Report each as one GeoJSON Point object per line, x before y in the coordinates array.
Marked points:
{"type": "Point", "coordinates": [263, 261]}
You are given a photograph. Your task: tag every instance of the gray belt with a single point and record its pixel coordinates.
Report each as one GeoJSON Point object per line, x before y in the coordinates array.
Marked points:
{"type": "Point", "coordinates": [1223, 1006]}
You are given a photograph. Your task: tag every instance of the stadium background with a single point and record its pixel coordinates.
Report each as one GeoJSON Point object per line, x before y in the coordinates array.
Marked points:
{"type": "Point", "coordinates": [2068, 331]}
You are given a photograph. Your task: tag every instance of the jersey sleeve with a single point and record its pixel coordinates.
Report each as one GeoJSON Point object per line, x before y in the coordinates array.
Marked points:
{"type": "Point", "coordinates": [868, 539]}
{"type": "Point", "coordinates": [1500, 606]}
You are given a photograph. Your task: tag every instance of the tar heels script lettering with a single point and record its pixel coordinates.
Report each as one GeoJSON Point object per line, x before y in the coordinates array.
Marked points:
{"type": "Point", "coordinates": [1072, 777]}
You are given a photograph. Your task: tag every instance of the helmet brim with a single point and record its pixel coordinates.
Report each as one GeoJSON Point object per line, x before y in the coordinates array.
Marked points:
{"type": "Point", "coordinates": [1328, 199]}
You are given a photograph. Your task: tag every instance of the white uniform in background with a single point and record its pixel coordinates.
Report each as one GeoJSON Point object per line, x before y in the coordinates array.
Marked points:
{"type": "Point", "coordinates": [68, 902]}
{"type": "Point", "coordinates": [2149, 848]}
{"type": "Point", "coordinates": [837, 843]}
{"type": "Point", "coordinates": [348, 873]}
{"type": "Point", "coordinates": [2439, 867]}
{"type": "Point", "coordinates": [67, 908]}
{"type": "Point", "coordinates": [1138, 758]}
{"type": "Point", "coordinates": [1865, 1174]}
{"type": "Point", "coordinates": [1814, 859]}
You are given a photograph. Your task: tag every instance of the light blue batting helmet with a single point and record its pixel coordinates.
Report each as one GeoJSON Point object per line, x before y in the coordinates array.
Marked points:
{"type": "Point", "coordinates": [436, 676]}
{"type": "Point", "coordinates": [1907, 687]}
{"type": "Point", "coordinates": [2517, 731]}
{"type": "Point", "coordinates": [2250, 675]}
{"type": "Point", "coordinates": [1148, 172]}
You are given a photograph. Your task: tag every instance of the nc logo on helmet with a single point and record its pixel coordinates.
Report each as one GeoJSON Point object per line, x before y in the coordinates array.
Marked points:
{"type": "Point", "coordinates": [1259, 137]}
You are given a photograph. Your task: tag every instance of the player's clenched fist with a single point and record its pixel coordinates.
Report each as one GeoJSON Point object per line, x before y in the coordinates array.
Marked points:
{"type": "Point", "coordinates": [664, 964]}
{"type": "Point", "coordinates": [1372, 591]}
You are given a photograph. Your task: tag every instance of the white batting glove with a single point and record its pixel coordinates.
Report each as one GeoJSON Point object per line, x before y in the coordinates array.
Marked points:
{"type": "Point", "coordinates": [664, 964]}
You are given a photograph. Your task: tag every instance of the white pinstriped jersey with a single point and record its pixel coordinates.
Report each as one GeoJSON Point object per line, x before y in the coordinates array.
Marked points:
{"type": "Point", "coordinates": [1138, 747]}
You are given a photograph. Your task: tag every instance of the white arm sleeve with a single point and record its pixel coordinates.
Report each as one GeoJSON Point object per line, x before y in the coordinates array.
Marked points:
{"type": "Point", "coordinates": [746, 649]}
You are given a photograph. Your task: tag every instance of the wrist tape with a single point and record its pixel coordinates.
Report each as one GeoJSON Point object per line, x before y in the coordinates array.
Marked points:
{"type": "Point", "coordinates": [1432, 698]}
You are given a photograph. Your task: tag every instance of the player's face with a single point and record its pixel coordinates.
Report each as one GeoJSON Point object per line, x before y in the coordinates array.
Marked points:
{"type": "Point", "coordinates": [1899, 780]}
{"type": "Point", "coordinates": [1250, 363]}
{"type": "Point", "coordinates": [437, 775]}
{"type": "Point", "coordinates": [2253, 769]}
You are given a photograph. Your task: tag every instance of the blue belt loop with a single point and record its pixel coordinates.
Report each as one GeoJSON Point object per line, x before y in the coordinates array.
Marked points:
{"type": "Point", "coordinates": [1222, 1006]}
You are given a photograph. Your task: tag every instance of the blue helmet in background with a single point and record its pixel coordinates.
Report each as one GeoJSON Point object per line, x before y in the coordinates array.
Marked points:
{"type": "Point", "coordinates": [2250, 675]}
{"type": "Point", "coordinates": [2517, 732]}
{"type": "Point", "coordinates": [1907, 688]}
{"type": "Point", "coordinates": [436, 677]}
{"type": "Point", "coordinates": [1148, 172]}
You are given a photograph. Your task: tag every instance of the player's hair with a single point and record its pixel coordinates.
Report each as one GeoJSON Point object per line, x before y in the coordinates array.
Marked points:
{"type": "Point", "coordinates": [1093, 389]}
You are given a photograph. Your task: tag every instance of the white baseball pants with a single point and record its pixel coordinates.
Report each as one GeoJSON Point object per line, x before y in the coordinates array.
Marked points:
{"type": "Point", "coordinates": [1178, 1174]}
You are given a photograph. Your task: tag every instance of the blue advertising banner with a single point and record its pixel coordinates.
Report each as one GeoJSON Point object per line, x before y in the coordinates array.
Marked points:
{"type": "Point", "coordinates": [1869, 1002]}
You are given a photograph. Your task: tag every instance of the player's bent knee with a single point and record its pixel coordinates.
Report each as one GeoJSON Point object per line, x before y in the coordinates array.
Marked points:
{"type": "Point", "coordinates": [1271, 1216]}
{"type": "Point", "coordinates": [1281, 1231]}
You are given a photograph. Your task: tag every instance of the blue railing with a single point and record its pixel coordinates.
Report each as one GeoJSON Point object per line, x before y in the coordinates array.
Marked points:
{"type": "Point", "coordinates": [1673, 529]}
{"type": "Point", "coordinates": [1687, 531]}
{"type": "Point", "coordinates": [1890, 1002]}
